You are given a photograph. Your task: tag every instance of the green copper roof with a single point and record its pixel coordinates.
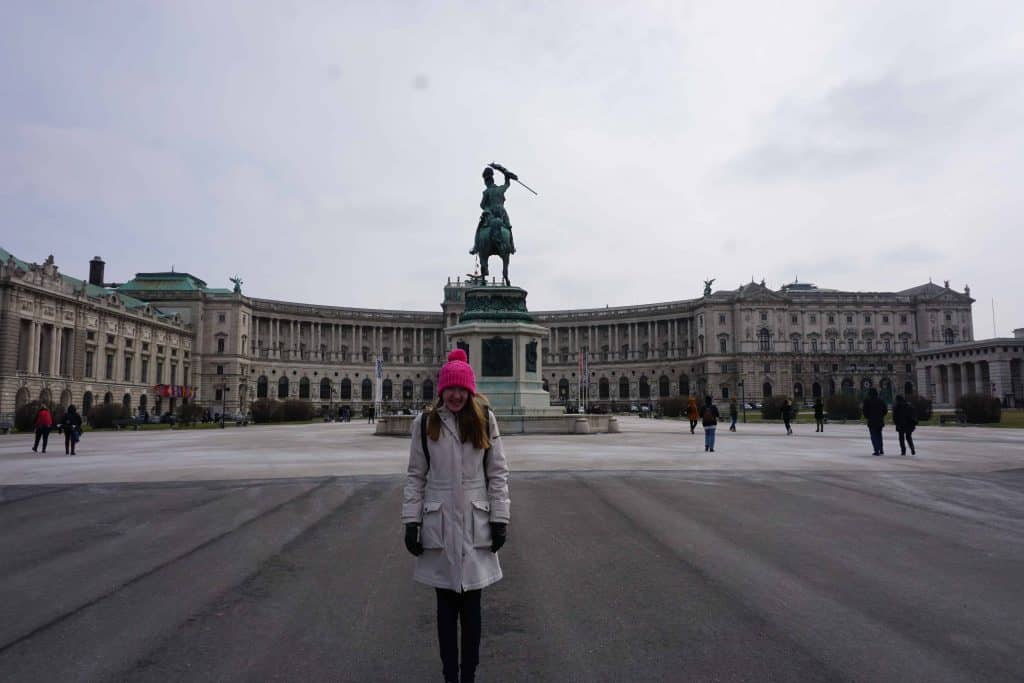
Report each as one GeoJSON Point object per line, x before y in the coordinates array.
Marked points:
{"type": "Point", "coordinates": [164, 282]}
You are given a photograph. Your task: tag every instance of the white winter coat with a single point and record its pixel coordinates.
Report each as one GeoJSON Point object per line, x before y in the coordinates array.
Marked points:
{"type": "Point", "coordinates": [455, 506]}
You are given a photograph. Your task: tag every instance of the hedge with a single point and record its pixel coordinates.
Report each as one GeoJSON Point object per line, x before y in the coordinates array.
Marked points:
{"type": "Point", "coordinates": [980, 408]}
{"type": "Point", "coordinates": [771, 408]}
{"type": "Point", "coordinates": [843, 407]}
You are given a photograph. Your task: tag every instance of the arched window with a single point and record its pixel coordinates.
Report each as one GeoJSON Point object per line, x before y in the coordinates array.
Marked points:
{"type": "Point", "coordinates": [282, 387]}
{"type": "Point", "coordinates": [325, 389]}
{"type": "Point", "coordinates": [86, 403]}
{"type": "Point", "coordinates": [108, 398]}
{"type": "Point", "coordinates": [21, 398]}
{"type": "Point", "coordinates": [908, 389]}
{"type": "Point", "coordinates": [723, 344]}
{"type": "Point", "coordinates": [143, 402]}
{"type": "Point", "coordinates": [346, 389]}
{"type": "Point", "coordinates": [764, 340]}
{"type": "Point", "coordinates": [766, 389]}
{"type": "Point", "coordinates": [885, 390]}
{"type": "Point", "coordinates": [261, 387]}
{"type": "Point", "coordinates": [847, 386]}
{"type": "Point", "coordinates": [366, 390]}
{"type": "Point", "coordinates": [664, 387]}
{"type": "Point", "coordinates": [949, 335]}
{"type": "Point", "coordinates": [304, 387]}
{"type": "Point", "coordinates": [645, 387]}
{"type": "Point", "coordinates": [623, 388]}
{"type": "Point", "coordinates": [603, 390]}
{"type": "Point", "coordinates": [385, 390]}
{"type": "Point", "coordinates": [428, 390]}
{"type": "Point", "coordinates": [563, 389]}
{"type": "Point", "coordinates": [684, 386]}
{"type": "Point", "coordinates": [126, 401]}
{"type": "Point", "coordinates": [407, 390]}
{"type": "Point", "coordinates": [798, 391]}
{"type": "Point", "coordinates": [44, 397]}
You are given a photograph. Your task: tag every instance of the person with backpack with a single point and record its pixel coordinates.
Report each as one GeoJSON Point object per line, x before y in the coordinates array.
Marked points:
{"type": "Point", "coordinates": [692, 413]}
{"type": "Point", "coordinates": [72, 426]}
{"type": "Point", "coordinates": [787, 415]}
{"type": "Point", "coordinates": [43, 424]}
{"type": "Point", "coordinates": [905, 420]}
{"type": "Point", "coordinates": [874, 410]}
{"type": "Point", "coordinates": [734, 414]}
{"type": "Point", "coordinates": [819, 415]}
{"type": "Point", "coordinates": [456, 509]}
{"type": "Point", "coordinates": [709, 419]}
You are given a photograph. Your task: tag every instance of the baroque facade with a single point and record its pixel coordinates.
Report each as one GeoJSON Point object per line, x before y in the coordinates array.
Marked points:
{"type": "Point", "coordinates": [161, 337]}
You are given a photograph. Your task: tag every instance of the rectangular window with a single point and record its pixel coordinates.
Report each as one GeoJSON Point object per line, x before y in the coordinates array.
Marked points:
{"type": "Point", "coordinates": [814, 318]}
{"type": "Point", "coordinates": [159, 372]}
{"type": "Point", "coordinates": [908, 368]}
{"type": "Point", "coordinates": [90, 335]}
{"type": "Point", "coordinates": [794, 319]}
{"type": "Point", "coordinates": [174, 373]}
{"type": "Point", "coordinates": [764, 316]}
{"type": "Point", "coordinates": [888, 346]}
{"type": "Point", "coordinates": [88, 363]}
{"type": "Point", "coordinates": [110, 337]}
{"type": "Point", "coordinates": [159, 348]}
{"type": "Point", "coordinates": [816, 368]}
{"type": "Point", "coordinates": [127, 368]}
{"type": "Point", "coordinates": [721, 318]}
{"type": "Point", "coordinates": [867, 318]}
{"type": "Point", "coordinates": [725, 393]}
{"type": "Point", "coordinates": [723, 345]}
{"type": "Point", "coordinates": [220, 369]}
{"type": "Point", "coordinates": [903, 318]}
{"type": "Point", "coordinates": [796, 346]}
{"type": "Point", "coordinates": [221, 317]}
{"type": "Point", "coordinates": [127, 343]}
{"type": "Point", "coordinates": [110, 367]}
{"type": "Point", "coordinates": [220, 345]}
{"type": "Point", "coordinates": [885, 318]}
{"type": "Point", "coordinates": [220, 395]}
{"type": "Point", "coordinates": [144, 371]}
{"type": "Point", "coordinates": [832, 345]}
{"type": "Point", "coordinates": [867, 346]}
{"type": "Point", "coordinates": [831, 319]}
{"type": "Point", "coordinates": [767, 367]}
{"type": "Point", "coordinates": [174, 352]}
{"type": "Point", "coordinates": [145, 346]}
{"type": "Point", "coordinates": [849, 320]}
{"type": "Point", "coordinates": [906, 345]}
{"type": "Point", "coordinates": [835, 367]}
{"type": "Point", "coordinates": [798, 367]}
{"type": "Point", "coordinates": [814, 345]}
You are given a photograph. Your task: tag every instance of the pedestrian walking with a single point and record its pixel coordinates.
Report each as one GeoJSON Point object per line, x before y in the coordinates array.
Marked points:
{"type": "Point", "coordinates": [904, 419]}
{"type": "Point", "coordinates": [734, 413]}
{"type": "Point", "coordinates": [72, 426]}
{"type": "Point", "coordinates": [370, 417]}
{"type": "Point", "coordinates": [709, 419]}
{"type": "Point", "coordinates": [43, 424]}
{"type": "Point", "coordinates": [874, 410]}
{"type": "Point", "coordinates": [819, 415]}
{"type": "Point", "coordinates": [456, 510]}
{"type": "Point", "coordinates": [692, 413]}
{"type": "Point", "coordinates": [787, 415]}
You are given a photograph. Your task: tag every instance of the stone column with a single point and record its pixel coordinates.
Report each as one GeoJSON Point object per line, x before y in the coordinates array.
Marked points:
{"type": "Point", "coordinates": [55, 340]}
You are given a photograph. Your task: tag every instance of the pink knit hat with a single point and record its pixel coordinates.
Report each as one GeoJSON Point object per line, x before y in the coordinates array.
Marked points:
{"type": "Point", "coordinates": [456, 373]}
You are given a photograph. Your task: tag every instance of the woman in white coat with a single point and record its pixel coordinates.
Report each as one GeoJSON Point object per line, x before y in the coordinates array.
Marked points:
{"type": "Point", "coordinates": [456, 509]}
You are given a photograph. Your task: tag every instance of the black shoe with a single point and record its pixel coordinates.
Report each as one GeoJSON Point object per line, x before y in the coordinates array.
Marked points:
{"type": "Point", "coordinates": [712, 450]}
{"type": "Point", "coordinates": [913, 452]}
{"type": "Point", "coordinates": [876, 453]}
{"type": "Point", "coordinates": [903, 453]}
{"type": "Point", "coordinates": [35, 450]}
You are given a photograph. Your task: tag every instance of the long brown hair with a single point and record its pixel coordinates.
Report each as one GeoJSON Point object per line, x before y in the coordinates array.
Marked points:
{"type": "Point", "coordinates": [472, 419]}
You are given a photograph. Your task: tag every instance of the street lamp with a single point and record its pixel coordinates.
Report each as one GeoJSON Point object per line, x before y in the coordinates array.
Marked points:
{"type": "Point", "coordinates": [743, 400]}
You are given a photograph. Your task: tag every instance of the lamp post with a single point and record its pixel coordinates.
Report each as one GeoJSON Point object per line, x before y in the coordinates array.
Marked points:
{"type": "Point", "coordinates": [743, 400]}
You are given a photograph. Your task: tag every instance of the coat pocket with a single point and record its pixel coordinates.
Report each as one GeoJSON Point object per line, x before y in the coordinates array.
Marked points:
{"type": "Point", "coordinates": [481, 524]}
{"type": "Point", "coordinates": [432, 531]}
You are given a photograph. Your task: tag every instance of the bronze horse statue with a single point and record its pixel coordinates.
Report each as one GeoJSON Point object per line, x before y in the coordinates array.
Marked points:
{"type": "Point", "coordinates": [493, 238]}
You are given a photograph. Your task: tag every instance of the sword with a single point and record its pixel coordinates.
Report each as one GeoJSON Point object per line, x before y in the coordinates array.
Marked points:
{"type": "Point", "coordinates": [498, 167]}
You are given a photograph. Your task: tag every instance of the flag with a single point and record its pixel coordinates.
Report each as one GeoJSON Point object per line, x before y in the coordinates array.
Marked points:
{"type": "Point", "coordinates": [380, 368]}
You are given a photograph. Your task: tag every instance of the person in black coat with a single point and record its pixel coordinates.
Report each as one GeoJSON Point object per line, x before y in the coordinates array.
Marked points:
{"type": "Point", "coordinates": [787, 415]}
{"type": "Point", "coordinates": [874, 410]}
{"type": "Point", "coordinates": [904, 419]}
{"type": "Point", "coordinates": [72, 428]}
{"type": "Point", "coordinates": [819, 415]}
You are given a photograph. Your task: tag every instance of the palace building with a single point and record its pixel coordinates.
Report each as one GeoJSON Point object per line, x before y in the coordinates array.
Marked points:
{"type": "Point", "coordinates": [164, 338]}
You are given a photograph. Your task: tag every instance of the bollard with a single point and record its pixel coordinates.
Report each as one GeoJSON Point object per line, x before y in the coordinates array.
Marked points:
{"type": "Point", "coordinates": [613, 425]}
{"type": "Point", "coordinates": [582, 426]}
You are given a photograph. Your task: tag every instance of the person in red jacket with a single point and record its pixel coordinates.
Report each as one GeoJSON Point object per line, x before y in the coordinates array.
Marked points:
{"type": "Point", "coordinates": [44, 422]}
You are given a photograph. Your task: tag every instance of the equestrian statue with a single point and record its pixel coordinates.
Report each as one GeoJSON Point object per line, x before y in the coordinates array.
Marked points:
{"type": "Point", "coordinates": [494, 230]}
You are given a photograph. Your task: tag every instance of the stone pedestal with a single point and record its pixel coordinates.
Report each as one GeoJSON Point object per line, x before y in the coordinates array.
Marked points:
{"type": "Point", "coordinates": [504, 349]}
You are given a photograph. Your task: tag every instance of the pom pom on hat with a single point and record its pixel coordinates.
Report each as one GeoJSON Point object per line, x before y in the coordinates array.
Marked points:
{"type": "Point", "coordinates": [457, 372]}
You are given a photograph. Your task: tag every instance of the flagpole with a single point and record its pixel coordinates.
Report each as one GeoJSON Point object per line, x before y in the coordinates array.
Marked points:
{"type": "Point", "coordinates": [379, 370]}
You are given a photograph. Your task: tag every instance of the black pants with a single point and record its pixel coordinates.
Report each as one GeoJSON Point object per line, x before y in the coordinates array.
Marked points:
{"type": "Point", "coordinates": [820, 422]}
{"type": "Point", "coordinates": [453, 607]}
{"type": "Point", "coordinates": [785, 421]}
{"type": "Point", "coordinates": [909, 442]}
{"type": "Point", "coordinates": [693, 426]}
{"type": "Point", "coordinates": [69, 440]}
{"type": "Point", "coordinates": [44, 434]}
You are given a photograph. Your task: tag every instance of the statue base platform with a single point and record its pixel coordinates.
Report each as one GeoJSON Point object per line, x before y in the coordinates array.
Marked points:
{"type": "Point", "coordinates": [401, 425]}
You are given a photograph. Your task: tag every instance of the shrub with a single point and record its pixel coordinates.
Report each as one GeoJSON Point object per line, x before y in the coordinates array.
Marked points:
{"type": "Point", "coordinates": [771, 409]}
{"type": "Point", "coordinates": [296, 410]}
{"type": "Point", "coordinates": [922, 407]}
{"type": "Point", "coordinates": [266, 410]}
{"type": "Point", "coordinates": [25, 417]}
{"type": "Point", "coordinates": [842, 407]}
{"type": "Point", "coordinates": [190, 412]}
{"type": "Point", "coordinates": [980, 408]}
{"type": "Point", "coordinates": [102, 416]}
{"type": "Point", "coordinates": [674, 406]}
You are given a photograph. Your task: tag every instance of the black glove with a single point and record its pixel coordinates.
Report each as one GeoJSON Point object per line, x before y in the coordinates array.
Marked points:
{"type": "Point", "coordinates": [412, 539]}
{"type": "Point", "coordinates": [512, 176]}
{"type": "Point", "coordinates": [499, 532]}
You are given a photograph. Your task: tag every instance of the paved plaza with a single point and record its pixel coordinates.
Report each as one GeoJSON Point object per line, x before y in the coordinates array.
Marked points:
{"type": "Point", "coordinates": [275, 553]}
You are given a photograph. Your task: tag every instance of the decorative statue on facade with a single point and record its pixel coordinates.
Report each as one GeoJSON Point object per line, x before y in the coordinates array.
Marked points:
{"type": "Point", "coordinates": [493, 235]}
{"type": "Point", "coordinates": [707, 286]}
{"type": "Point", "coordinates": [238, 284]}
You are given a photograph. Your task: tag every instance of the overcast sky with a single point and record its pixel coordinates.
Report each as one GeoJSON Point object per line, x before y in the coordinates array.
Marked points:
{"type": "Point", "coordinates": [331, 152]}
